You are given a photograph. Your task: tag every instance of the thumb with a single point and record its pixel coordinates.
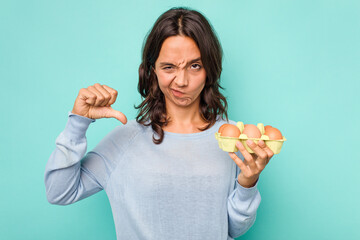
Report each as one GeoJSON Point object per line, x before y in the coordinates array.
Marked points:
{"type": "Point", "coordinates": [112, 113]}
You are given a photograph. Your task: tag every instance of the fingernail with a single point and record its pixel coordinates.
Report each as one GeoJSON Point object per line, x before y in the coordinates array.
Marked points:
{"type": "Point", "coordinates": [239, 145]}
{"type": "Point", "coordinates": [248, 142]}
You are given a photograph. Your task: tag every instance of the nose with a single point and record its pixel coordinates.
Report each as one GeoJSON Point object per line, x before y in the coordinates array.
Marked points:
{"type": "Point", "coordinates": [181, 78]}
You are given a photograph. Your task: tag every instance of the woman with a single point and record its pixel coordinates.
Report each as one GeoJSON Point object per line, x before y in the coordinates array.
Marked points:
{"type": "Point", "coordinates": [164, 174]}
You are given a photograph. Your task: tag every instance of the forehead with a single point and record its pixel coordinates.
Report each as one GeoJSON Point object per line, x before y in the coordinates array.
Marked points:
{"type": "Point", "coordinates": [179, 49]}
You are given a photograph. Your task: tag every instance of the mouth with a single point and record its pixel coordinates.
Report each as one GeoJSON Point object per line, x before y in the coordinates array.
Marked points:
{"type": "Point", "coordinates": [177, 93]}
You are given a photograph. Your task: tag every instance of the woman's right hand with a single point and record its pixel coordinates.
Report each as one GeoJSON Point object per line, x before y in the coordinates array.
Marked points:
{"type": "Point", "coordinates": [95, 102]}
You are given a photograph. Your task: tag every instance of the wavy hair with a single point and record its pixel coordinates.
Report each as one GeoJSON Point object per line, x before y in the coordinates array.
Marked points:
{"type": "Point", "coordinates": [184, 22]}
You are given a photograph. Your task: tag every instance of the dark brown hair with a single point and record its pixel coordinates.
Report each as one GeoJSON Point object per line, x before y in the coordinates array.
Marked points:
{"type": "Point", "coordinates": [185, 22]}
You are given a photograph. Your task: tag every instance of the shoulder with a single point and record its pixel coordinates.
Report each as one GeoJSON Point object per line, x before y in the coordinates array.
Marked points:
{"type": "Point", "coordinates": [128, 131]}
{"type": "Point", "coordinates": [220, 121]}
{"type": "Point", "coordinates": [232, 122]}
{"type": "Point", "coordinates": [122, 136]}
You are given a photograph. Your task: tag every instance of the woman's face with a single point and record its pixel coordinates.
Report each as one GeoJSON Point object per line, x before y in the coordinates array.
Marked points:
{"type": "Point", "coordinates": [180, 73]}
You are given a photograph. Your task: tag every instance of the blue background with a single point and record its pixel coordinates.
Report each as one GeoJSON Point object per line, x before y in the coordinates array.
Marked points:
{"type": "Point", "coordinates": [292, 64]}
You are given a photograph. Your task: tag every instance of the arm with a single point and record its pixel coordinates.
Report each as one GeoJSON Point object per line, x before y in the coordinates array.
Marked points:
{"type": "Point", "coordinates": [66, 180]}
{"type": "Point", "coordinates": [245, 199]}
{"type": "Point", "coordinates": [242, 206]}
{"type": "Point", "coordinates": [69, 176]}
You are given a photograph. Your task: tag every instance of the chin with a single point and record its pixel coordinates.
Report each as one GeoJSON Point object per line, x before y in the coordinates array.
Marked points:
{"type": "Point", "coordinates": [185, 103]}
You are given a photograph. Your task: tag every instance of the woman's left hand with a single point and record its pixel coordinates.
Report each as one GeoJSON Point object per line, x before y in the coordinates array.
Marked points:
{"type": "Point", "coordinates": [253, 163]}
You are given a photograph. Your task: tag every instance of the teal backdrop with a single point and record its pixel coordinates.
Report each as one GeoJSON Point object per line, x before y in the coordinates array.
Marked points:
{"type": "Point", "coordinates": [292, 64]}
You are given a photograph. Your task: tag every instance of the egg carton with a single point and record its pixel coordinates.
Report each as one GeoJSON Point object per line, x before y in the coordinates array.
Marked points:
{"type": "Point", "coordinates": [228, 143]}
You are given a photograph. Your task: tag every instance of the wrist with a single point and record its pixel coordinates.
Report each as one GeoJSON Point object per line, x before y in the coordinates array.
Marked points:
{"type": "Point", "coordinates": [247, 182]}
{"type": "Point", "coordinates": [75, 112]}
{"type": "Point", "coordinates": [76, 127]}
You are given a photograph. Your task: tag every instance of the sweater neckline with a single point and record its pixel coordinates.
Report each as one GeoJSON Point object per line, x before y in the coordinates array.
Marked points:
{"type": "Point", "coordinates": [212, 129]}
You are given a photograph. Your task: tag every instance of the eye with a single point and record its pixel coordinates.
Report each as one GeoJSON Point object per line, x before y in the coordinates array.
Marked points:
{"type": "Point", "coordinates": [196, 66]}
{"type": "Point", "coordinates": [167, 67]}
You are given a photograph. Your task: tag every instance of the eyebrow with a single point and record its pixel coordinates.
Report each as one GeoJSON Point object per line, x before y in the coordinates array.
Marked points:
{"type": "Point", "coordinates": [167, 63]}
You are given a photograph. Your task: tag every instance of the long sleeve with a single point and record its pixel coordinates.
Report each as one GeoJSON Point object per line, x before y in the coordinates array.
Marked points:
{"type": "Point", "coordinates": [242, 206]}
{"type": "Point", "coordinates": [156, 191]}
{"type": "Point", "coordinates": [66, 180]}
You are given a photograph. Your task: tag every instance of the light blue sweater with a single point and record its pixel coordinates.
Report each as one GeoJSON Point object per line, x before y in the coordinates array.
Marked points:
{"type": "Point", "coordinates": [184, 188]}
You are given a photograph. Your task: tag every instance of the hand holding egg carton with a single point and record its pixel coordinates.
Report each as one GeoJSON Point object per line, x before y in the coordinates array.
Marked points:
{"type": "Point", "coordinates": [228, 134]}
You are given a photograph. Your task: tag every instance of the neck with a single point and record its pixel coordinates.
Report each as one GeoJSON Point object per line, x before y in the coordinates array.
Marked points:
{"type": "Point", "coordinates": [184, 119]}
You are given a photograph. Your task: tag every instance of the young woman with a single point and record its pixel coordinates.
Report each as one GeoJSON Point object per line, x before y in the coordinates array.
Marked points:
{"type": "Point", "coordinates": [164, 174]}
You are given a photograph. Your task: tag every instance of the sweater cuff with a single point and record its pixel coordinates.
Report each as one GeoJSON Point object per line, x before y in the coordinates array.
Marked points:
{"type": "Point", "coordinates": [76, 126]}
{"type": "Point", "coordinates": [246, 193]}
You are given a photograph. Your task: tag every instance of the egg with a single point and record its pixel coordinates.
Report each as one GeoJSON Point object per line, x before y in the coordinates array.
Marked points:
{"type": "Point", "coordinates": [229, 130]}
{"type": "Point", "coordinates": [267, 127]}
{"type": "Point", "coordinates": [273, 133]}
{"type": "Point", "coordinates": [222, 127]}
{"type": "Point", "coordinates": [251, 131]}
